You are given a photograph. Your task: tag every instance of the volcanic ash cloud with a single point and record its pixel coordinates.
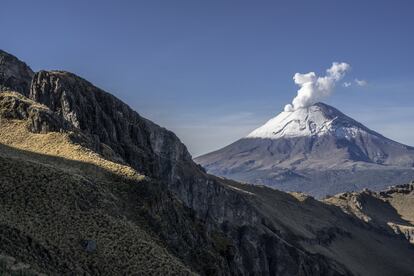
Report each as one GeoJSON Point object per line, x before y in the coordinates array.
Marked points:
{"type": "Point", "coordinates": [313, 88]}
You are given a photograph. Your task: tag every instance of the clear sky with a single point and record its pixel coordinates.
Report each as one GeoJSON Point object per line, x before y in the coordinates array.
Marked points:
{"type": "Point", "coordinates": [214, 70]}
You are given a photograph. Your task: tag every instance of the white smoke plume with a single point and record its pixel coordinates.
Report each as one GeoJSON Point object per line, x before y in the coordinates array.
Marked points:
{"type": "Point", "coordinates": [314, 88]}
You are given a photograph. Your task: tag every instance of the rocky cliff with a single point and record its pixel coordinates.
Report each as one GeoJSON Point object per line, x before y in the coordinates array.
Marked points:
{"type": "Point", "coordinates": [14, 74]}
{"type": "Point", "coordinates": [389, 210]}
{"type": "Point", "coordinates": [70, 140]}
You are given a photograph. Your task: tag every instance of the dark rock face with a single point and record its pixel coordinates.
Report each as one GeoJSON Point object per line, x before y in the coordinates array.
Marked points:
{"type": "Point", "coordinates": [15, 75]}
{"type": "Point", "coordinates": [89, 245]}
{"type": "Point", "coordinates": [142, 144]}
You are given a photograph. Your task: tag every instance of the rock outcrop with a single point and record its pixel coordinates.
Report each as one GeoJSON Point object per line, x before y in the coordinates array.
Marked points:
{"type": "Point", "coordinates": [390, 210]}
{"type": "Point", "coordinates": [142, 144]}
{"type": "Point", "coordinates": [14, 74]}
{"type": "Point", "coordinates": [39, 118]}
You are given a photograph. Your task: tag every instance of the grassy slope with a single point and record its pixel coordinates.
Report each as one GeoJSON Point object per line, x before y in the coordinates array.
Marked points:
{"type": "Point", "coordinates": [89, 192]}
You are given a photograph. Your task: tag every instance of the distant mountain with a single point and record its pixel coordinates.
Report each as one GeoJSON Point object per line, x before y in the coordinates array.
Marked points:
{"type": "Point", "coordinates": [89, 187]}
{"type": "Point", "coordinates": [316, 150]}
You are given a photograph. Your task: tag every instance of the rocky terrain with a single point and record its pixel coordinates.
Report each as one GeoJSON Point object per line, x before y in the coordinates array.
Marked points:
{"type": "Point", "coordinates": [90, 187]}
{"type": "Point", "coordinates": [390, 210]}
{"type": "Point", "coordinates": [14, 74]}
{"type": "Point", "coordinates": [317, 150]}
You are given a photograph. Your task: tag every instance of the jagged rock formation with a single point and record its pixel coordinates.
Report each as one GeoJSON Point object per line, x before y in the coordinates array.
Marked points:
{"type": "Point", "coordinates": [14, 74]}
{"type": "Point", "coordinates": [317, 150]}
{"type": "Point", "coordinates": [134, 187]}
{"type": "Point", "coordinates": [41, 120]}
{"type": "Point", "coordinates": [390, 210]}
{"type": "Point", "coordinates": [109, 121]}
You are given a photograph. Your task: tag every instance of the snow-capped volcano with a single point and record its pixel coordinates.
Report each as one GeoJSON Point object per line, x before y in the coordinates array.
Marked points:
{"type": "Point", "coordinates": [316, 120]}
{"type": "Point", "coordinates": [316, 149]}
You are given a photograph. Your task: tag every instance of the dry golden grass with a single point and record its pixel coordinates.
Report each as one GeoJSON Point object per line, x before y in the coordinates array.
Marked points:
{"type": "Point", "coordinates": [15, 134]}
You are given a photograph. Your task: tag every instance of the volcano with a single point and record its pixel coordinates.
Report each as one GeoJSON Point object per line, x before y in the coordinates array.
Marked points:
{"type": "Point", "coordinates": [317, 150]}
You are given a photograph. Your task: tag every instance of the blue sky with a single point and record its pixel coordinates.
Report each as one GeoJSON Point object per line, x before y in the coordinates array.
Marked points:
{"type": "Point", "coordinates": [212, 71]}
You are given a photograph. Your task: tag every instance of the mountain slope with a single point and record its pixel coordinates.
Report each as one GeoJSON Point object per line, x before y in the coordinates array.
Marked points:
{"type": "Point", "coordinates": [317, 150]}
{"type": "Point", "coordinates": [89, 186]}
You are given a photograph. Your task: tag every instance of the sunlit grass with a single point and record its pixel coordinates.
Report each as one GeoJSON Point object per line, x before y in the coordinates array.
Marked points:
{"type": "Point", "coordinates": [14, 133]}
